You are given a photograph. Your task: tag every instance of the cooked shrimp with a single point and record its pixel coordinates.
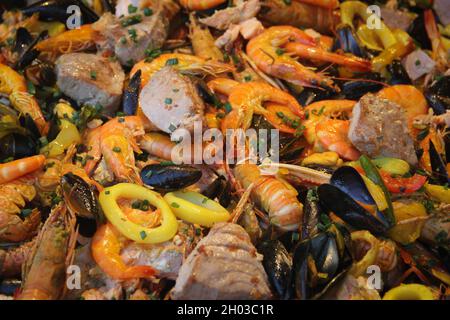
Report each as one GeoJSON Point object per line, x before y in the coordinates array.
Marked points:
{"type": "Point", "coordinates": [410, 99]}
{"type": "Point", "coordinates": [116, 141]}
{"type": "Point", "coordinates": [247, 98]}
{"type": "Point", "coordinates": [324, 108]}
{"type": "Point", "coordinates": [203, 41]}
{"type": "Point", "coordinates": [201, 4]}
{"type": "Point", "coordinates": [181, 62]}
{"type": "Point", "coordinates": [158, 145]}
{"type": "Point", "coordinates": [106, 247]}
{"type": "Point", "coordinates": [439, 53]}
{"type": "Point", "coordinates": [14, 85]}
{"type": "Point", "coordinates": [119, 158]}
{"type": "Point", "coordinates": [317, 53]}
{"type": "Point", "coordinates": [10, 171]}
{"type": "Point", "coordinates": [222, 85]}
{"type": "Point", "coordinates": [75, 40]}
{"type": "Point", "coordinates": [277, 198]}
{"type": "Point", "coordinates": [333, 136]}
{"type": "Point", "coordinates": [11, 261]}
{"type": "Point", "coordinates": [267, 50]}
{"type": "Point", "coordinates": [53, 253]}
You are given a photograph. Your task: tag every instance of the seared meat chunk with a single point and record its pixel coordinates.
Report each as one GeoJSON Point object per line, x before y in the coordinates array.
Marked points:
{"type": "Point", "coordinates": [378, 127]}
{"type": "Point", "coordinates": [170, 101]}
{"type": "Point", "coordinates": [91, 79]}
{"type": "Point", "coordinates": [223, 19]}
{"type": "Point", "coordinates": [129, 41]}
{"type": "Point", "coordinates": [224, 265]}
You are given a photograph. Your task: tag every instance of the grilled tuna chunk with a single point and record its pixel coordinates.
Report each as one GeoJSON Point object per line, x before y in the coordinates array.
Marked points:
{"type": "Point", "coordinates": [91, 79]}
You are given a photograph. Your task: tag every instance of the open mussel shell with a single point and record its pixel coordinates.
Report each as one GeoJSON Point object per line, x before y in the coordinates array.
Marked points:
{"type": "Point", "coordinates": [346, 41]}
{"type": "Point", "coordinates": [311, 213]}
{"type": "Point", "coordinates": [57, 10]}
{"type": "Point", "coordinates": [398, 73]}
{"type": "Point", "coordinates": [220, 189]}
{"type": "Point", "coordinates": [438, 95]}
{"type": "Point", "coordinates": [170, 177]}
{"type": "Point", "coordinates": [278, 265]}
{"type": "Point", "coordinates": [17, 146]}
{"type": "Point", "coordinates": [438, 165]}
{"type": "Point", "coordinates": [418, 32]}
{"type": "Point", "coordinates": [355, 89]}
{"type": "Point", "coordinates": [316, 261]}
{"type": "Point", "coordinates": [131, 94]}
{"type": "Point", "coordinates": [9, 287]}
{"type": "Point", "coordinates": [349, 180]}
{"type": "Point", "coordinates": [79, 196]}
{"type": "Point", "coordinates": [334, 199]}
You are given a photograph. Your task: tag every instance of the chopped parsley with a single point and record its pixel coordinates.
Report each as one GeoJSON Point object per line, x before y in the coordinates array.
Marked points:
{"type": "Point", "coordinates": [175, 205]}
{"type": "Point", "coordinates": [131, 20]}
{"type": "Point", "coordinates": [133, 34]}
{"type": "Point", "coordinates": [168, 101]}
{"type": "Point", "coordinates": [287, 2]}
{"type": "Point", "coordinates": [248, 78]}
{"type": "Point", "coordinates": [117, 149]}
{"type": "Point", "coordinates": [172, 128]}
{"type": "Point", "coordinates": [172, 62]}
{"type": "Point", "coordinates": [148, 12]}
{"type": "Point", "coordinates": [279, 51]}
{"type": "Point", "coordinates": [93, 75]}
{"type": "Point", "coordinates": [227, 107]}
{"type": "Point", "coordinates": [143, 234]}
{"type": "Point", "coordinates": [132, 9]}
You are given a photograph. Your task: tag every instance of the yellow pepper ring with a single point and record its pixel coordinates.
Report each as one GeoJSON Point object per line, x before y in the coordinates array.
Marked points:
{"type": "Point", "coordinates": [411, 291]}
{"type": "Point", "coordinates": [108, 201]}
{"type": "Point", "coordinates": [196, 208]}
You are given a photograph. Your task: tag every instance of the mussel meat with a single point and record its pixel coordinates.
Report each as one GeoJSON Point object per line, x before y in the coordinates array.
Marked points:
{"type": "Point", "coordinates": [438, 165]}
{"type": "Point", "coordinates": [438, 95]}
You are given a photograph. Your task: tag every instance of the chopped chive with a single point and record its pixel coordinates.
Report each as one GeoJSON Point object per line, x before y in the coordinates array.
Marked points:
{"type": "Point", "coordinates": [93, 75]}
{"type": "Point", "coordinates": [117, 149]}
{"type": "Point", "coordinates": [143, 234]}
{"type": "Point", "coordinates": [168, 101]}
{"type": "Point", "coordinates": [279, 51]}
{"type": "Point", "coordinates": [132, 9]}
{"type": "Point", "coordinates": [172, 62]}
{"type": "Point", "coordinates": [148, 12]}
{"type": "Point", "coordinates": [172, 128]}
{"type": "Point", "coordinates": [175, 205]}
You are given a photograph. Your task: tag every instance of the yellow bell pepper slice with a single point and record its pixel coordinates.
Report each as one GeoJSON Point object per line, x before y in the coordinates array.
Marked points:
{"type": "Point", "coordinates": [439, 193]}
{"type": "Point", "coordinates": [359, 268]}
{"type": "Point", "coordinates": [410, 219]}
{"type": "Point", "coordinates": [66, 137]}
{"type": "Point", "coordinates": [133, 231]}
{"type": "Point", "coordinates": [196, 208]}
{"type": "Point", "coordinates": [411, 291]}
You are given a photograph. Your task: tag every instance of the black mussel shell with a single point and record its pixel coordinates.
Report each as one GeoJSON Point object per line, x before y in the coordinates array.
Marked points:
{"type": "Point", "coordinates": [335, 200]}
{"type": "Point", "coordinates": [220, 188]}
{"type": "Point", "coordinates": [79, 196]}
{"type": "Point", "coordinates": [438, 165]}
{"type": "Point", "coordinates": [346, 41]}
{"type": "Point", "coordinates": [131, 94]}
{"type": "Point", "coordinates": [170, 177]}
{"type": "Point", "coordinates": [23, 40]}
{"type": "Point", "coordinates": [418, 32]}
{"type": "Point", "coordinates": [355, 89]}
{"type": "Point", "coordinates": [27, 122]}
{"type": "Point", "coordinates": [278, 265]}
{"type": "Point", "coordinates": [311, 214]}
{"type": "Point", "coordinates": [398, 73]}
{"type": "Point", "coordinates": [322, 249]}
{"type": "Point", "coordinates": [54, 10]}
{"type": "Point", "coordinates": [310, 95]}
{"type": "Point", "coordinates": [349, 180]}
{"type": "Point", "coordinates": [438, 95]}
{"type": "Point", "coordinates": [17, 146]}
{"type": "Point", "coordinates": [9, 287]}
{"type": "Point", "coordinates": [86, 226]}
{"type": "Point", "coordinates": [41, 73]}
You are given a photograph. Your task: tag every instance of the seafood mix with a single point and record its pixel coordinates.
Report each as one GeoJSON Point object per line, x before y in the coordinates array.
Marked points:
{"type": "Point", "coordinates": [135, 160]}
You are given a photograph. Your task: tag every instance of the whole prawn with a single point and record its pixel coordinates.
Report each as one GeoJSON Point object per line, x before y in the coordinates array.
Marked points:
{"type": "Point", "coordinates": [53, 252]}
{"type": "Point", "coordinates": [276, 197]}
